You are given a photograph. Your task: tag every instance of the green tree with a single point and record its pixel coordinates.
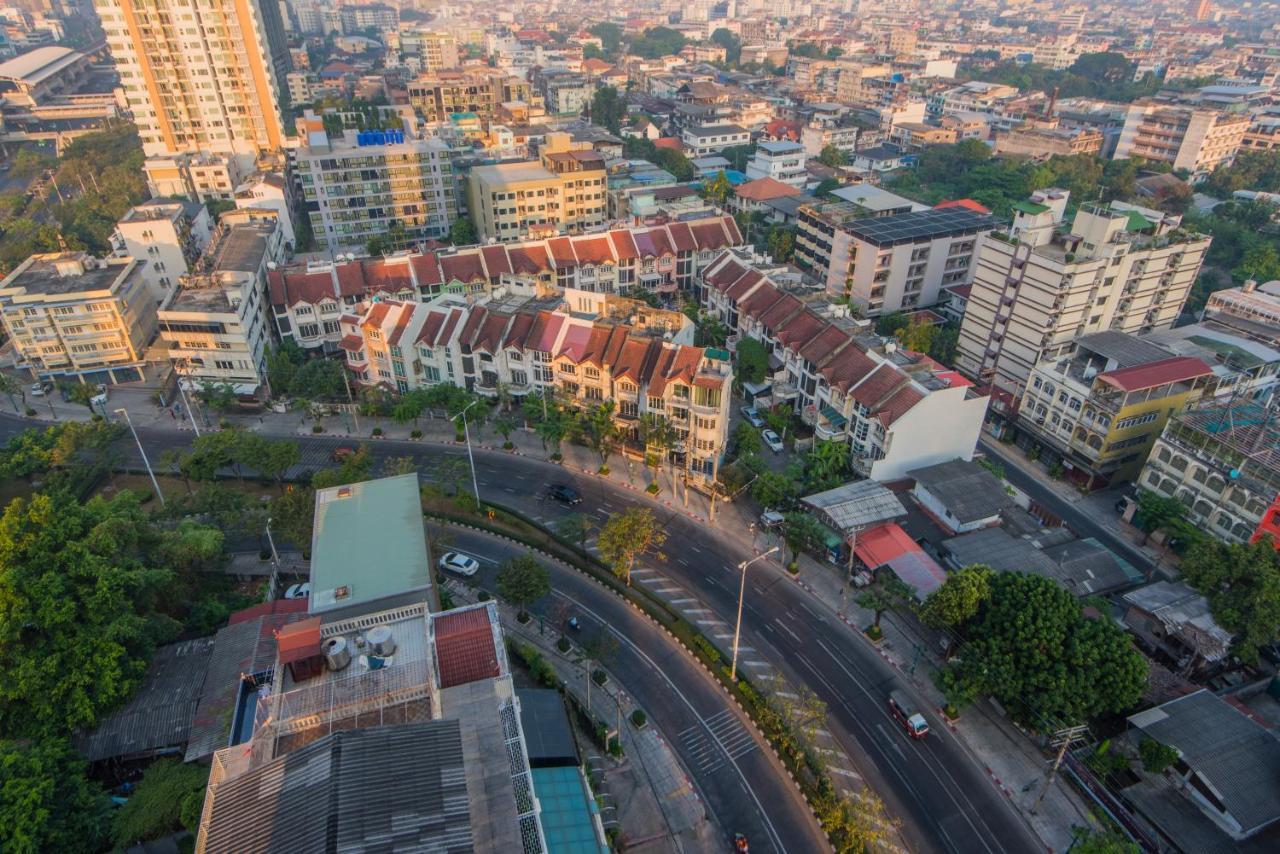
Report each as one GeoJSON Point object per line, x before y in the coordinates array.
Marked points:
{"type": "Point", "coordinates": [628, 535]}
{"type": "Point", "coordinates": [781, 242]}
{"type": "Point", "coordinates": [831, 156]}
{"type": "Point", "coordinates": [610, 35]}
{"type": "Point", "coordinates": [659, 436]}
{"type": "Point", "coordinates": [1242, 584]}
{"type": "Point", "coordinates": [774, 490]}
{"type": "Point", "coordinates": [76, 626]}
{"type": "Point", "coordinates": [826, 187]}
{"type": "Point", "coordinates": [82, 393]}
{"type": "Point", "coordinates": [751, 362]}
{"type": "Point", "coordinates": [958, 600]}
{"type": "Point", "coordinates": [657, 42]}
{"type": "Point", "coordinates": [731, 43]}
{"type": "Point", "coordinates": [219, 397]}
{"type": "Point", "coordinates": [167, 799]}
{"type": "Point", "coordinates": [46, 803]}
{"type": "Point", "coordinates": [886, 594]}
{"type": "Point", "coordinates": [463, 232]}
{"type": "Point", "coordinates": [522, 580]}
{"type": "Point", "coordinates": [1261, 263]}
{"type": "Point", "coordinates": [504, 425]}
{"type": "Point", "coordinates": [600, 431]}
{"type": "Point", "coordinates": [354, 468]}
{"type": "Point", "coordinates": [1104, 68]}
{"type": "Point", "coordinates": [801, 532]}
{"type": "Point", "coordinates": [1030, 640]}
{"type": "Point", "coordinates": [717, 189]}
{"type": "Point", "coordinates": [575, 528]}
{"type": "Point", "coordinates": [674, 162]}
{"type": "Point", "coordinates": [918, 336]}
{"type": "Point", "coordinates": [608, 109]}
{"type": "Point", "coordinates": [826, 465]}
{"type": "Point", "coordinates": [552, 429]}
{"type": "Point", "coordinates": [746, 440]}
{"type": "Point", "coordinates": [270, 458]}
{"type": "Point", "coordinates": [1157, 512]}
{"type": "Point", "coordinates": [393, 466]}
{"type": "Point", "coordinates": [292, 515]}
{"type": "Point", "coordinates": [1156, 756]}
{"type": "Point", "coordinates": [1090, 841]}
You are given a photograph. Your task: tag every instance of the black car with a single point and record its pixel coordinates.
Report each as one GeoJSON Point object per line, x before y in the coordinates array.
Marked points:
{"type": "Point", "coordinates": [564, 493]}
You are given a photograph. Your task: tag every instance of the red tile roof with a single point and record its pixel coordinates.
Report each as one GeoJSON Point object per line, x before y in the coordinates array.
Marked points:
{"type": "Point", "coordinates": [670, 142]}
{"type": "Point", "coordinates": [496, 262]}
{"type": "Point", "coordinates": [561, 249]}
{"type": "Point", "coordinates": [463, 267]}
{"type": "Point", "coordinates": [878, 386]}
{"type": "Point", "coordinates": [682, 237]}
{"type": "Point", "coordinates": [764, 189]}
{"type": "Point", "coordinates": [744, 285]}
{"type": "Point", "coordinates": [710, 235]}
{"type": "Point", "coordinates": [593, 250]}
{"type": "Point", "coordinates": [529, 260]}
{"type": "Point", "coordinates": [624, 246]}
{"type": "Point", "coordinates": [1178, 369]}
{"type": "Point", "coordinates": [899, 404]}
{"type": "Point", "coordinates": [464, 647]}
{"type": "Point", "coordinates": [426, 266]}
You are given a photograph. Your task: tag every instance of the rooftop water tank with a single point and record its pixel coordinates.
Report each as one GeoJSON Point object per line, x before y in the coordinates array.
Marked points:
{"type": "Point", "coordinates": [336, 653]}
{"type": "Point", "coordinates": [381, 643]}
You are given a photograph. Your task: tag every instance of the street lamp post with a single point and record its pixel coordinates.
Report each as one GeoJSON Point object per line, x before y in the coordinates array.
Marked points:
{"type": "Point", "coordinates": [145, 461]}
{"type": "Point", "coordinates": [275, 565]}
{"type": "Point", "coordinates": [466, 432]}
{"type": "Point", "coordinates": [187, 404]}
{"type": "Point", "coordinates": [742, 590]}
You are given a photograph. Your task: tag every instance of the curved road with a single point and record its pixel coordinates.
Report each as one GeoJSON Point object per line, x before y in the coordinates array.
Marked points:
{"type": "Point", "coordinates": [942, 795]}
{"type": "Point", "coordinates": [740, 783]}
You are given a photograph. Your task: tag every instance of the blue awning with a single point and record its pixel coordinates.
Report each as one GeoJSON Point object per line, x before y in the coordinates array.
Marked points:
{"type": "Point", "coordinates": [836, 419]}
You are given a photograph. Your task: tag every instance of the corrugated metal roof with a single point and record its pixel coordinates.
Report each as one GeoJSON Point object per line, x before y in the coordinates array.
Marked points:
{"type": "Point", "coordinates": [856, 506]}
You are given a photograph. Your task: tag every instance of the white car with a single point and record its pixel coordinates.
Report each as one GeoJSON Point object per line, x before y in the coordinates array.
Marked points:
{"type": "Point", "coordinates": [37, 390]}
{"type": "Point", "coordinates": [773, 441]}
{"type": "Point", "coordinates": [298, 591]}
{"type": "Point", "coordinates": [459, 564]}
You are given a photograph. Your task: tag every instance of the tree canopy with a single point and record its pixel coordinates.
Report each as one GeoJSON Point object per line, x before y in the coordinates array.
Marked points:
{"type": "Point", "coordinates": [1242, 584]}
{"type": "Point", "coordinates": [522, 580]}
{"type": "Point", "coordinates": [628, 535]}
{"type": "Point", "coordinates": [46, 804]}
{"type": "Point", "coordinates": [608, 109]}
{"type": "Point", "coordinates": [657, 42]}
{"type": "Point", "coordinates": [1029, 645]}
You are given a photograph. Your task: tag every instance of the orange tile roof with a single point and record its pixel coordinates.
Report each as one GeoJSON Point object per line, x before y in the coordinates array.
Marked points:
{"type": "Point", "coordinates": [764, 189]}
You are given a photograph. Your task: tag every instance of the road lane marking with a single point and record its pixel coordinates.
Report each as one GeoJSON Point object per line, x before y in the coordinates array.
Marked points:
{"type": "Point", "coordinates": [784, 627]}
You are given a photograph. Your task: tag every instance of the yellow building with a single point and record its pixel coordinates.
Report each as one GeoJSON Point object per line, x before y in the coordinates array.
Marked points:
{"type": "Point", "coordinates": [565, 190]}
{"type": "Point", "coordinates": [72, 315]}
{"type": "Point", "coordinates": [1097, 411]}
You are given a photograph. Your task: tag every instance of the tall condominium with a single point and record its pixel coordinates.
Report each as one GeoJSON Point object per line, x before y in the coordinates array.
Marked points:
{"type": "Point", "coordinates": [200, 77]}
{"type": "Point", "coordinates": [1038, 286]}
{"type": "Point", "coordinates": [1184, 137]}
{"type": "Point", "coordinates": [355, 186]}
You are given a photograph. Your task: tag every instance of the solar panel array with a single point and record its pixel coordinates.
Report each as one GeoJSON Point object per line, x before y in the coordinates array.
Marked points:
{"type": "Point", "coordinates": [918, 225]}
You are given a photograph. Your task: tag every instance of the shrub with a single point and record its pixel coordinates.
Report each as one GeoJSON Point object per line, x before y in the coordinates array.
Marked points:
{"type": "Point", "coordinates": [1156, 756]}
{"type": "Point", "coordinates": [168, 798]}
{"type": "Point", "coordinates": [377, 431]}
{"type": "Point", "coordinates": [508, 445]}
{"type": "Point", "coordinates": [459, 436]}
{"type": "Point", "coordinates": [599, 676]}
{"type": "Point", "coordinates": [874, 632]}
{"type": "Point", "coordinates": [638, 719]}
{"type": "Point", "coordinates": [793, 568]}
{"type": "Point", "coordinates": [602, 470]}
{"type": "Point", "coordinates": [317, 428]}
{"type": "Point", "coordinates": [524, 617]}
{"type": "Point", "coordinates": [652, 489]}
{"type": "Point", "coordinates": [29, 412]}
{"type": "Point", "coordinates": [484, 596]}
{"type": "Point", "coordinates": [615, 746]}
{"type": "Point", "coordinates": [707, 648]}
{"type": "Point", "coordinates": [563, 645]}
{"type": "Point", "coordinates": [556, 456]}
{"type": "Point", "coordinates": [224, 423]}
{"type": "Point", "coordinates": [415, 434]}
{"type": "Point", "coordinates": [97, 419]}
{"type": "Point", "coordinates": [145, 496]}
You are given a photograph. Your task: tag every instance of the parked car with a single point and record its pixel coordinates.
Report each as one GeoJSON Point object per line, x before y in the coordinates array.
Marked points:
{"type": "Point", "coordinates": [340, 454]}
{"type": "Point", "coordinates": [459, 564]}
{"type": "Point", "coordinates": [772, 440]}
{"type": "Point", "coordinates": [904, 712]}
{"type": "Point", "coordinates": [771, 518]}
{"type": "Point", "coordinates": [38, 389]}
{"type": "Point", "coordinates": [298, 591]}
{"type": "Point", "coordinates": [564, 493]}
{"type": "Point", "coordinates": [752, 416]}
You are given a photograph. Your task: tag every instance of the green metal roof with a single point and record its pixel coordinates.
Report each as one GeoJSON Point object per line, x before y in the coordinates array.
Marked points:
{"type": "Point", "coordinates": [718, 353]}
{"type": "Point", "coordinates": [1138, 222]}
{"type": "Point", "coordinates": [1240, 356]}
{"type": "Point", "coordinates": [567, 811]}
{"type": "Point", "coordinates": [837, 420]}
{"type": "Point", "coordinates": [1031, 208]}
{"type": "Point", "coordinates": [370, 539]}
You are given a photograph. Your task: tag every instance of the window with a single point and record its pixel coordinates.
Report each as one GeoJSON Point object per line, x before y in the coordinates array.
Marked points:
{"type": "Point", "coordinates": [566, 368]}
{"type": "Point", "coordinates": [591, 373]}
{"type": "Point", "coordinates": [594, 393]}
{"type": "Point", "coordinates": [331, 327]}
{"type": "Point", "coordinates": [657, 403]}
{"type": "Point", "coordinates": [308, 330]}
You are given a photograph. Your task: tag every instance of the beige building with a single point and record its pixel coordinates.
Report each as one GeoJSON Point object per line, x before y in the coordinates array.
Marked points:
{"type": "Point", "coordinates": [200, 77]}
{"type": "Point", "coordinates": [438, 94]}
{"type": "Point", "coordinates": [1043, 143]}
{"type": "Point", "coordinates": [1190, 138]}
{"type": "Point", "coordinates": [1038, 287]}
{"type": "Point", "coordinates": [563, 191]}
{"type": "Point", "coordinates": [216, 327]}
{"type": "Point", "coordinates": [428, 50]}
{"type": "Point", "coordinates": [72, 315]}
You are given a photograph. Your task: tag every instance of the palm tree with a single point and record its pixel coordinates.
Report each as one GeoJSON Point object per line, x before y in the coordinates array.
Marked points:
{"type": "Point", "coordinates": [601, 431]}
{"type": "Point", "coordinates": [659, 436]}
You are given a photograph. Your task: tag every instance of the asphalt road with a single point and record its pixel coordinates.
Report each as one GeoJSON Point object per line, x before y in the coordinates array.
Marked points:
{"type": "Point", "coordinates": [941, 794]}
{"type": "Point", "coordinates": [734, 777]}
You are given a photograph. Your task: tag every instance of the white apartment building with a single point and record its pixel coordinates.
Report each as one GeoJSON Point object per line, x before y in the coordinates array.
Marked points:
{"type": "Point", "coordinates": [354, 187]}
{"type": "Point", "coordinates": [584, 360]}
{"type": "Point", "coordinates": [267, 191]}
{"type": "Point", "coordinates": [72, 315]}
{"type": "Point", "coordinates": [1037, 288]}
{"type": "Point", "coordinates": [216, 327]}
{"type": "Point", "coordinates": [897, 411]}
{"type": "Point", "coordinates": [203, 77]}
{"type": "Point", "coordinates": [814, 138]}
{"type": "Point", "coordinates": [1192, 138]}
{"type": "Point", "coordinates": [710, 139]}
{"type": "Point", "coordinates": [887, 263]}
{"type": "Point", "coordinates": [781, 161]}
{"type": "Point", "coordinates": [424, 50]}
{"type": "Point", "coordinates": [169, 235]}
{"type": "Point", "coordinates": [308, 300]}
{"type": "Point", "coordinates": [197, 175]}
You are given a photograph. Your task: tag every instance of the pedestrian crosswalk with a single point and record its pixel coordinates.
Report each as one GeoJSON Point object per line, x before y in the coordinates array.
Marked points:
{"type": "Point", "coordinates": [718, 739]}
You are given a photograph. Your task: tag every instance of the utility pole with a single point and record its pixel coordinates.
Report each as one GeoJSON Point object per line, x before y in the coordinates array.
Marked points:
{"type": "Point", "coordinates": [742, 592]}
{"type": "Point", "coordinates": [145, 461]}
{"type": "Point", "coordinates": [1062, 739]}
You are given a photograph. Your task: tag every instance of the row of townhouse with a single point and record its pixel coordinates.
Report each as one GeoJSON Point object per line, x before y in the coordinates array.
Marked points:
{"type": "Point", "coordinates": [529, 349]}
{"type": "Point", "coordinates": [897, 410]}
{"type": "Point", "coordinates": [307, 301]}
